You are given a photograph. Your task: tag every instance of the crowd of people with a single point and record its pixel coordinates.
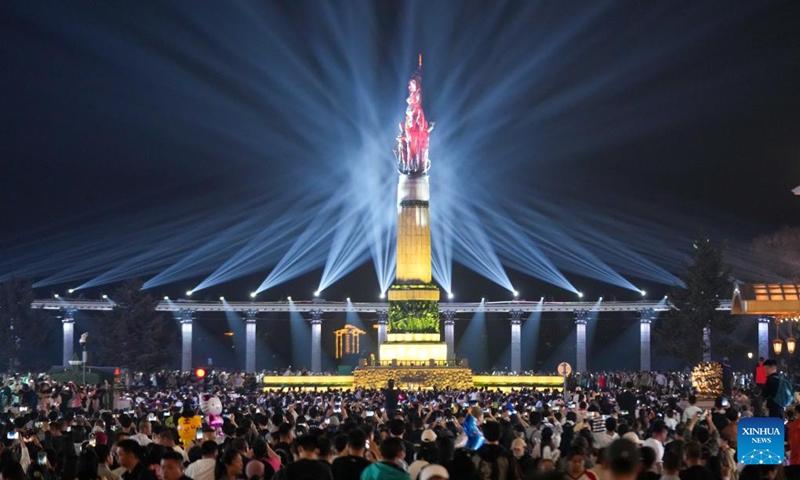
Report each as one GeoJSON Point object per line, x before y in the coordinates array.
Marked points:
{"type": "Point", "coordinates": [613, 426]}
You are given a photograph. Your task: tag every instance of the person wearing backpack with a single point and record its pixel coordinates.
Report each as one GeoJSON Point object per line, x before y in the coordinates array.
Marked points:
{"type": "Point", "coordinates": [775, 390]}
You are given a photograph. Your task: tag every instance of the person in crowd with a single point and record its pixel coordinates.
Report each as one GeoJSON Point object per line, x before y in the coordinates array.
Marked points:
{"type": "Point", "coordinates": [203, 469]}
{"type": "Point", "coordinates": [172, 466]}
{"type": "Point", "coordinates": [230, 466]}
{"type": "Point", "coordinates": [130, 454]}
{"type": "Point", "coordinates": [695, 463]}
{"type": "Point", "coordinates": [306, 462]}
{"type": "Point", "coordinates": [770, 389]}
{"type": "Point", "coordinates": [492, 460]}
{"type": "Point", "coordinates": [690, 411]}
{"type": "Point", "coordinates": [649, 468]}
{"type": "Point", "coordinates": [671, 465]}
{"type": "Point", "coordinates": [352, 465]}
{"type": "Point", "coordinates": [392, 451]}
{"type": "Point", "coordinates": [658, 436]}
{"type": "Point", "coordinates": [623, 460]}
{"type": "Point", "coordinates": [576, 466]}
{"type": "Point", "coordinates": [104, 463]}
{"type": "Point", "coordinates": [605, 438]}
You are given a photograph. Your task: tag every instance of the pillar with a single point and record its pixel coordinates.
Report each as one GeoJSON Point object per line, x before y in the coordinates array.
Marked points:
{"type": "Point", "coordinates": [449, 333]}
{"type": "Point", "coordinates": [68, 326]}
{"type": "Point", "coordinates": [516, 340]}
{"type": "Point", "coordinates": [707, 343]}
{"type": "Point", "coordinates": [316, 340]}
{"type": "Point", "coordinates": [646, 317]}
{"type": "Point", "coordinates": [383, 323]}
{"type": "Point", "coordinates": [763, 336]}
{"type": "Point", "coordinates": [580, 335]}
{"type": "Point", "coordinates": [250, 342]}
{"type": "Point", "coordinates": [186, 318]}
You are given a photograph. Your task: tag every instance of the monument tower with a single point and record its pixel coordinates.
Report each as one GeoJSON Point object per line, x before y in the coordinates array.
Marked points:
{"type": "Point", "coordinates": [413, 297]}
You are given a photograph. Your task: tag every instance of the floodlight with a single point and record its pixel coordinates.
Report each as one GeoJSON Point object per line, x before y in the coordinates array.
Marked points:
{"type": "Point", "coordinates": [601, 299]}
{"type": "Point", "coordinates": [450, 295]}
{"type": "Point", "coordinates": [188, 293]}
{"type": "Point", "coordinates": [166, 297]}
{"type": "Point", "coordinates": [383, 295]}
{"type": "Point", "coordinates": [580, 294]}
{"type": "Point", "coordinates": [348, 299]}
{"type": "Point", "coordinates": [221, 299]}
{"type": "Point", "coordinates": [70, 291]}
{"type": "Point", "coordinates": [643, 293]}
{"type": "Point", "coordinates": [316, 293]}
{"type": "Point", "coordinates": [55, 296]}
{"type": "Point", "coordinates": [105, 297]}
{"type": "Point", "coordinates": [253, 294]}
{"type": "Point", "coordinates": [516, 294]}
{"type": "Point", "coordinates": [289, 299]}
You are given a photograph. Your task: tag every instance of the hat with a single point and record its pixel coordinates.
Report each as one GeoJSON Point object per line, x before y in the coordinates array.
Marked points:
{"type": "Point", "coordinates": [415, 468]}
{"type": "Point", "coordinates": [632, 437]}
{"type": "Point", "coordinates": [623, 456]}
{"type": "Point", "coordinates": [428, 436]}
{"type": "Point", "coordinates": [433, 470]}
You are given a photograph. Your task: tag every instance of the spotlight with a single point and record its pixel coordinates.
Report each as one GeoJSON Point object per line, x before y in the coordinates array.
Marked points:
{"type": "Point", "coordinates": [348, 299]}
{"type": "Point", "coordinates": [105, 297]}
{"type": "Point", "coordinates": [188, 293]}
{"type": "Point", "coordinates": [643, 293]}
{"type": "Point", "coordinates": [221, 299]}
{"type": "Point", "coordinates": [166, 297]}
{"type": "Point", "coordinates": [253, 294]}
{"type": "Point", "coordinates": [450, 295]}
{"type": "Point", "coordinates": [316, 293]}
{"type": "Point", "coordinates": [70, 291]}
{"type": "Point", "coordinates": [516, 294]}
{"type": "Point", "coordinates": [383, 295]}
{"type": "Point", "coordinates": [55, 296]}
{"type": "Point", "coordinates": [483, 299]}
{"type": "Point", "coordinates": [541, 299]}
{"type": "Point", "coordinates": [580, 294]}
{"type": "Point", "coordinates": [665, 297]}
{"type": "Point", "coordinates": [601, 299]}
{"type": "Point", "coordinates": [289, 299]}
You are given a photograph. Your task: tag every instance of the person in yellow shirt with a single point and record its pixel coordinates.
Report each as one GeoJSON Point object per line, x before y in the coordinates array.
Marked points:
{"type": "Point", "coordinates": [188, 425]}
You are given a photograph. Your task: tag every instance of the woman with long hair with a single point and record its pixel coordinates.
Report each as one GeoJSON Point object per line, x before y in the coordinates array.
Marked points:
{"type": "Point", "coordinates": [230, 466]}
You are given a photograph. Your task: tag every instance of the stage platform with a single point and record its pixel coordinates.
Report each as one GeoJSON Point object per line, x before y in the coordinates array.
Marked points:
{"type": "Point", "coordinates": [413, 377]}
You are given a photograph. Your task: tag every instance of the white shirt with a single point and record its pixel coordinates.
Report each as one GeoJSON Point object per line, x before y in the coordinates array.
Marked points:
{"type": "Point", "coordinates": [657, 446]}
{"type": "Point", "coordinates": [202, 469]}
{"type": "Point", "coordinates": [671, 422]}
{"type": "Point", "coordinates": [604, 439]}
{"type": "Point", "coordinates": [688, 414]}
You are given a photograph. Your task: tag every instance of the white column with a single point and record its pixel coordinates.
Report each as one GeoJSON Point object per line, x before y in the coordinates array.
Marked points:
{"type": "Point", "coordinates": [449, 333]}
{"type": "Point", "coordinates": [186, 318]}
{"type": "Point", "coordinates": [516, 340]}
{"type": "Point", "coordinates": [316, 340]}
{"type": "Point", "coordinates": [383, 323]}
{"type": "Point", "coordinates": [68, 326]}
{"type": "Point", "coordinates": [645, 320]}
{"type": "Point", "coordinates": [250, 342]}
{"type": "Point", "coordinates": [763, 336]}
{"type": "Point", "coordinates": [580, 331]}
{"type": "Point", "coordinates": [707, 343]}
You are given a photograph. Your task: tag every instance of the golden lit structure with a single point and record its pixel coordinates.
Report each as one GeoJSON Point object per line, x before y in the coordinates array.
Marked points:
{"type": "Point", "coordinates": [425, 377]}
{"type": "Point", "coordinates": [781, 299]}
{"type": "Point", "coordinates": [707, 379]}
{"type": "Point", "coordinates": [348, 340]}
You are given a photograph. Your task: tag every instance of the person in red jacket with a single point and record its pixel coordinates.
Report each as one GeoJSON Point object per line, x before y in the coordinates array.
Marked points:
{"type": "Point", "coordinates": [761, 374]}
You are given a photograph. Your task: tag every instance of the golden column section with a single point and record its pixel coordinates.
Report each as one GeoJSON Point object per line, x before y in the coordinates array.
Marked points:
{"type": "Point", "coordinates": [413, 243]}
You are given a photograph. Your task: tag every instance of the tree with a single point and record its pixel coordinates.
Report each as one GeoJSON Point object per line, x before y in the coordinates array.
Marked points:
{"type": "Point", "coordinates": [682, 333]}
{"type": "Point", "coordinates": [28, 329]}
{"type": "Point", "coordinates": [134, 335]}
{"type": "Point", "coordinates": [779, 253]}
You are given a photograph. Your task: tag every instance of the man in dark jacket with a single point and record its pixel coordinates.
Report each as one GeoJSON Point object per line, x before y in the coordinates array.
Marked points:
{"type": "Point", "coordinates": [771, 388]}
{"type": "Point", "coordinates": [492, 460]}
{"type": "Point", "coordinates": [350, 466]}
{"type": "Point", "coordinates": [130, 452]}
{"type": "Point", "coordinates": [627, 402]}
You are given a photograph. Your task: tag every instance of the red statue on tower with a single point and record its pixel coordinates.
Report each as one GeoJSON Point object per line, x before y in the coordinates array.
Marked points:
{"type": "Point", "coordinates": [412, 141]}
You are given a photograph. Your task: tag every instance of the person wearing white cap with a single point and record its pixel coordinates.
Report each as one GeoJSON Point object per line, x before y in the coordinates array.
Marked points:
{"type": "Point", "coordinates": [426, 454]}
{"type": "Point", "coordinates": [434, 472]}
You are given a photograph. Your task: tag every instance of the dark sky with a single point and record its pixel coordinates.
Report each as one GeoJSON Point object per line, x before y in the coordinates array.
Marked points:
{"type": "Point", "coordinates": [130, 113]}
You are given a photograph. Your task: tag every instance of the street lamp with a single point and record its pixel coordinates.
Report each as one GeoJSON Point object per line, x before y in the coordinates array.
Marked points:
{"type": "Point", "coordinates": [790, 344]}
{"type": "Point", "coordinates": [777, 346]}
{"type": "Point", "coordinates": [84, 339]}
{"type": "Point", "coordinates": [750, 355]}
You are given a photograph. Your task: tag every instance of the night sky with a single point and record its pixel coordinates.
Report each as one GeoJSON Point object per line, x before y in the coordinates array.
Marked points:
{"type": "Point", "coordinates": [131, 130]}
